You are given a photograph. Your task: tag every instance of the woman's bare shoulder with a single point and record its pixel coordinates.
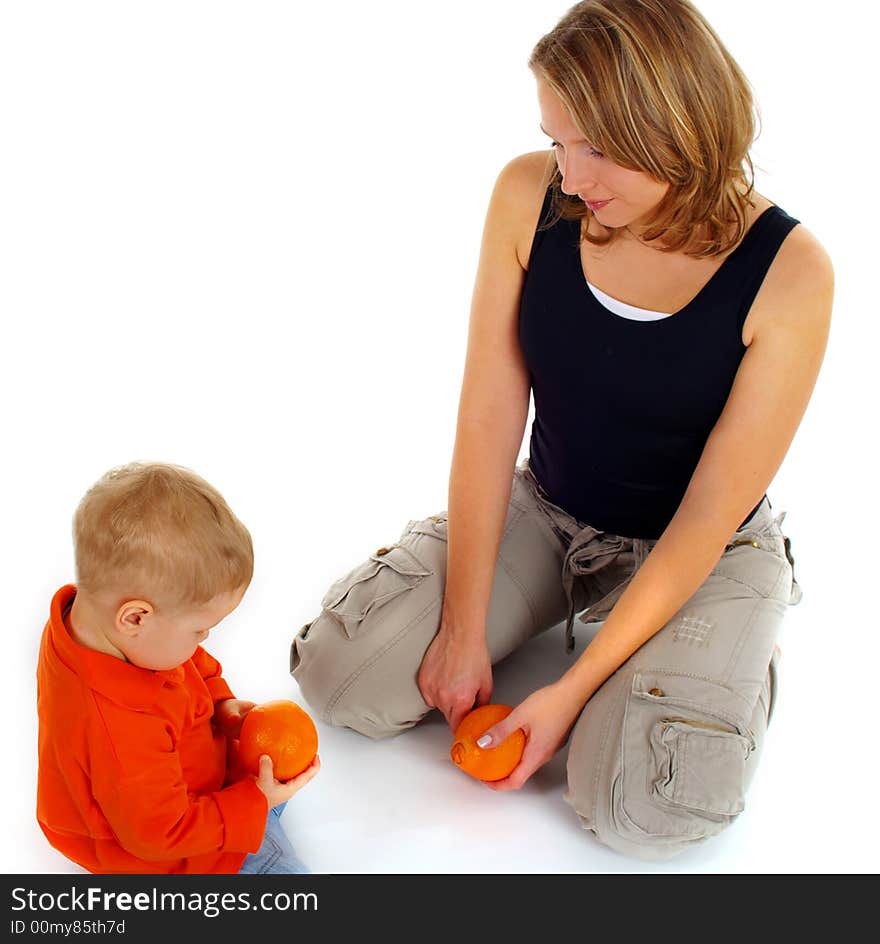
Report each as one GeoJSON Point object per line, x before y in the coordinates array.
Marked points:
{"type": "Point", "coordinates": [798, 288]}
{"type": "Point", "coordinates": [801, 254]}
{"type": "Point", "coordinates": [801, 260]}
{"type": "Point", "coordinates": [519, 194]}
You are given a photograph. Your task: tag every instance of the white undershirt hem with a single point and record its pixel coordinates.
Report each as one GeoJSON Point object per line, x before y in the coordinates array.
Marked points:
{"type": "Point", "coordinates": [624, 310]}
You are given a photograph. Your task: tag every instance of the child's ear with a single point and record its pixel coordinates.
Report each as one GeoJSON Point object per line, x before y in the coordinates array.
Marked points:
{"type": "Point", "coordinates": [131, 615]}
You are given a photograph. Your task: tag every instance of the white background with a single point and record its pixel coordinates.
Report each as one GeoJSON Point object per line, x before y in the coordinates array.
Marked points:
{"type": "Point", "coordinates": [242, 237]}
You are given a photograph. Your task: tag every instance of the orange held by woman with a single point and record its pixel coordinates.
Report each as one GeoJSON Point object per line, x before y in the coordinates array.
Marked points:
{"type": "Point", "coordinates": [490, 763]}
{"type": "Point", "coordinates": [282, 730]}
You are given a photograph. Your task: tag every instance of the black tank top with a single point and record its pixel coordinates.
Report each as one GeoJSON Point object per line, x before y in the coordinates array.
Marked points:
{"type": "Point", "coordinates": [623, 408]}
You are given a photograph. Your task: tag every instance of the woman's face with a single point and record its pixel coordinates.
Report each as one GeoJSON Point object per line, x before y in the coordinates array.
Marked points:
{"type": "Point", "coordinates": [617, 196]}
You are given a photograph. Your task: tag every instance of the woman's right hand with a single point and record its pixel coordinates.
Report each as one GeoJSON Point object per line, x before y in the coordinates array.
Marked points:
{"type": "Point", "coordinates": [456, 673]}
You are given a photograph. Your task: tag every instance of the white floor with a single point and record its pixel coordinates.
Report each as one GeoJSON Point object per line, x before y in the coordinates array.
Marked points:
{"type": "Point", "coordinates": [400, 805]}
{"type": "Point", "coordinates": [225, 264]}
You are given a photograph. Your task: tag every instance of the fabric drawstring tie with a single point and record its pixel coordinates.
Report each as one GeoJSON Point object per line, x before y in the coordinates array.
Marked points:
{"type": "Point", "coordinates": [589, 552]}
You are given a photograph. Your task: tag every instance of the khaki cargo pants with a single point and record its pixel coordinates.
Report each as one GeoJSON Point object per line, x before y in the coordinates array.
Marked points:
{"type": "Point", "coordinates": [662, 754]}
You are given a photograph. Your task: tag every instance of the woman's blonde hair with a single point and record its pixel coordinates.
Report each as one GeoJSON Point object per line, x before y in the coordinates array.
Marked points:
{"type": "Point", "coordinates": [650, 84]}
{"type": "Point", "coordinates": [159, 532]}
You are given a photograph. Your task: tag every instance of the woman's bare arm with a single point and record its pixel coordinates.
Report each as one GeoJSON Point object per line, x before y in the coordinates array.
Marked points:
{"type": "Point", "coordinates": [492, 413]}
{"type": "Point", "coordinates": [743, 453]}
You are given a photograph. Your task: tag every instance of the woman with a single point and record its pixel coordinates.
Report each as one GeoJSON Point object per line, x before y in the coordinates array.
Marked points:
{"type": "Point", "coordinates": [670, 323]}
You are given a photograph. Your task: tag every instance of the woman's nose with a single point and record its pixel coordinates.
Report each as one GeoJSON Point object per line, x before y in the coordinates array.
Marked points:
{"type": "Point", "coordinates": [575, 176]}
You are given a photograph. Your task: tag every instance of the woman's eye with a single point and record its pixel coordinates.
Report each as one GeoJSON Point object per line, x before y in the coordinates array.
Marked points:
{"type": "Point", "coordinates": [593, 152]}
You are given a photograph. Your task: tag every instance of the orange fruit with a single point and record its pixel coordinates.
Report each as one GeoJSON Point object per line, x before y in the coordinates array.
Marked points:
{"type": "Point", "coordinates": [282, 730]}
{"type": "Point", "coordinates": [490, 763]}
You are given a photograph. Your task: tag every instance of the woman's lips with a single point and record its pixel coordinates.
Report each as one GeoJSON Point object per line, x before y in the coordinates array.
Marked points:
{"type": "Point", "coordinates": [597, 204]}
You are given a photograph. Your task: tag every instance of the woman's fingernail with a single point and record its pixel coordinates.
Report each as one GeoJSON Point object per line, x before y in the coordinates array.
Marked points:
{"type": "Point", "coordinates": [484, 741]}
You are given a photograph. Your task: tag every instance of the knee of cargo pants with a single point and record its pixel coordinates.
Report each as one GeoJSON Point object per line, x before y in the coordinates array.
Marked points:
{"type": "Point", "coordinates": [663, 753]}
{"type": "Point", "coordinates": [357, 662]}
{"type": "Point", "coordinates": [651, 775]}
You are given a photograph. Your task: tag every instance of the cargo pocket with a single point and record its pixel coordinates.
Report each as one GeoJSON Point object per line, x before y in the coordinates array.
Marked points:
{"type": "Point", "coordinates": [700, 768]}
{"type": "Point", "coordinates": [686, 743]}
{"type": "Point", "coordinates": [383, 576]}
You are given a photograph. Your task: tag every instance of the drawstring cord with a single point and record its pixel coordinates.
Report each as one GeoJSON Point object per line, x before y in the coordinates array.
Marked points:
{"type": "Point", "coordinates": [589, 552]}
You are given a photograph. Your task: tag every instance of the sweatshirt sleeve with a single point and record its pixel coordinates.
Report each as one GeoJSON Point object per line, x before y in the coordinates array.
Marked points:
{"type": "Point", "coordinates": [212, 672]}
{"type": "Point", "coordinates": [138, 782]}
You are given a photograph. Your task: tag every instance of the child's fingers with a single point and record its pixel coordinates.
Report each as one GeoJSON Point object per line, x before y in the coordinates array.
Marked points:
{"type": "Point", "coordinates": [266, 776]}
{"type": "Point", "coordinates": [310, 771]}
{"type": "Point", "coordinates": [300, 780]}
{"type": "Point", "coordinates": [278, 791]}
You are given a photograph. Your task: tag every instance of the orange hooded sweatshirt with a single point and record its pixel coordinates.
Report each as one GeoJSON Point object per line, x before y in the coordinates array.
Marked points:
{"type": "Point", "coordinates": [131, 770]}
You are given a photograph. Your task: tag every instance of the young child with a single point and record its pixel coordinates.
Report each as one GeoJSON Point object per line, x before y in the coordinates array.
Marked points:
{"type": "Point", "coordinates": [135, 717]}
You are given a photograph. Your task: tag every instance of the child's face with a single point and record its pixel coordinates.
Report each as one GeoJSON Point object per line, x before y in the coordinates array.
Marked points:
{"type": "Point", "coordinates": [166, 638]}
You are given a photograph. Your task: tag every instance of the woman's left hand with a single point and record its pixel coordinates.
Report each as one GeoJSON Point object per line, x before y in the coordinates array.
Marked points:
{"type": "Point", "coordinates": [546, 717]}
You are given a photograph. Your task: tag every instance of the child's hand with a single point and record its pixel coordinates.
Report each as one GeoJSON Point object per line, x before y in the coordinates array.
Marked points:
{"type": "Point", "coordinates": [229, 714]}
{"type": "Point", "coordinates": [278, 791]}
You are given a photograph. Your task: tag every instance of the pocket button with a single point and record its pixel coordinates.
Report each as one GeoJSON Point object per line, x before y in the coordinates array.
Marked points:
{"type": "Point", "coordinates": [382, 551]}
{"type": "Point", "coordinates": [657, 692]}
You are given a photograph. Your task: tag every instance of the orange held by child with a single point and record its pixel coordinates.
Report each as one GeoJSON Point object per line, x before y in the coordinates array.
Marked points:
{"type": "Point", "coordinates": [491, 763]}
{"type": "Point", "coordinates": [282, 730]}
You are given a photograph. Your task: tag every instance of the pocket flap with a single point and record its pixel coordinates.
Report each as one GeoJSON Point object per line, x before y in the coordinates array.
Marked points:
{"type": "Point", "coordinates": [402, 560]}
{"type": "Point", "coordinates": [372, 584]}
{"type": "Point", "coordinates": [434, 526]}
{"type": "Point", "coordinates": [708, 699]}
{"type": "Point", "coordinates": [339, 588]}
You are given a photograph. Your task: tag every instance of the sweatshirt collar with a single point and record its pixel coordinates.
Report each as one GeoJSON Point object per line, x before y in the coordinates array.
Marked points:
{"type": "Point", "coordinates": [128, 685]}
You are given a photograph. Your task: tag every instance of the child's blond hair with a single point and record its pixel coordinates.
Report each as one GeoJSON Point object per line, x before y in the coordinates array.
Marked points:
{"type": "Point", "coordinates": [159, 532]}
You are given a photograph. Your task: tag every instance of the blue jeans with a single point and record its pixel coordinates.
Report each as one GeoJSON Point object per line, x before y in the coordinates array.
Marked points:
{"type": "Point", "coordinates": [275, 855]}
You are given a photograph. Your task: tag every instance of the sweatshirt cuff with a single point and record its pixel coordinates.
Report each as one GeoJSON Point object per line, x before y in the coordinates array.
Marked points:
{"type": "Point", "coordinates": [218, 689]}
{"type": "Point", "coordinates": [244, 809]}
